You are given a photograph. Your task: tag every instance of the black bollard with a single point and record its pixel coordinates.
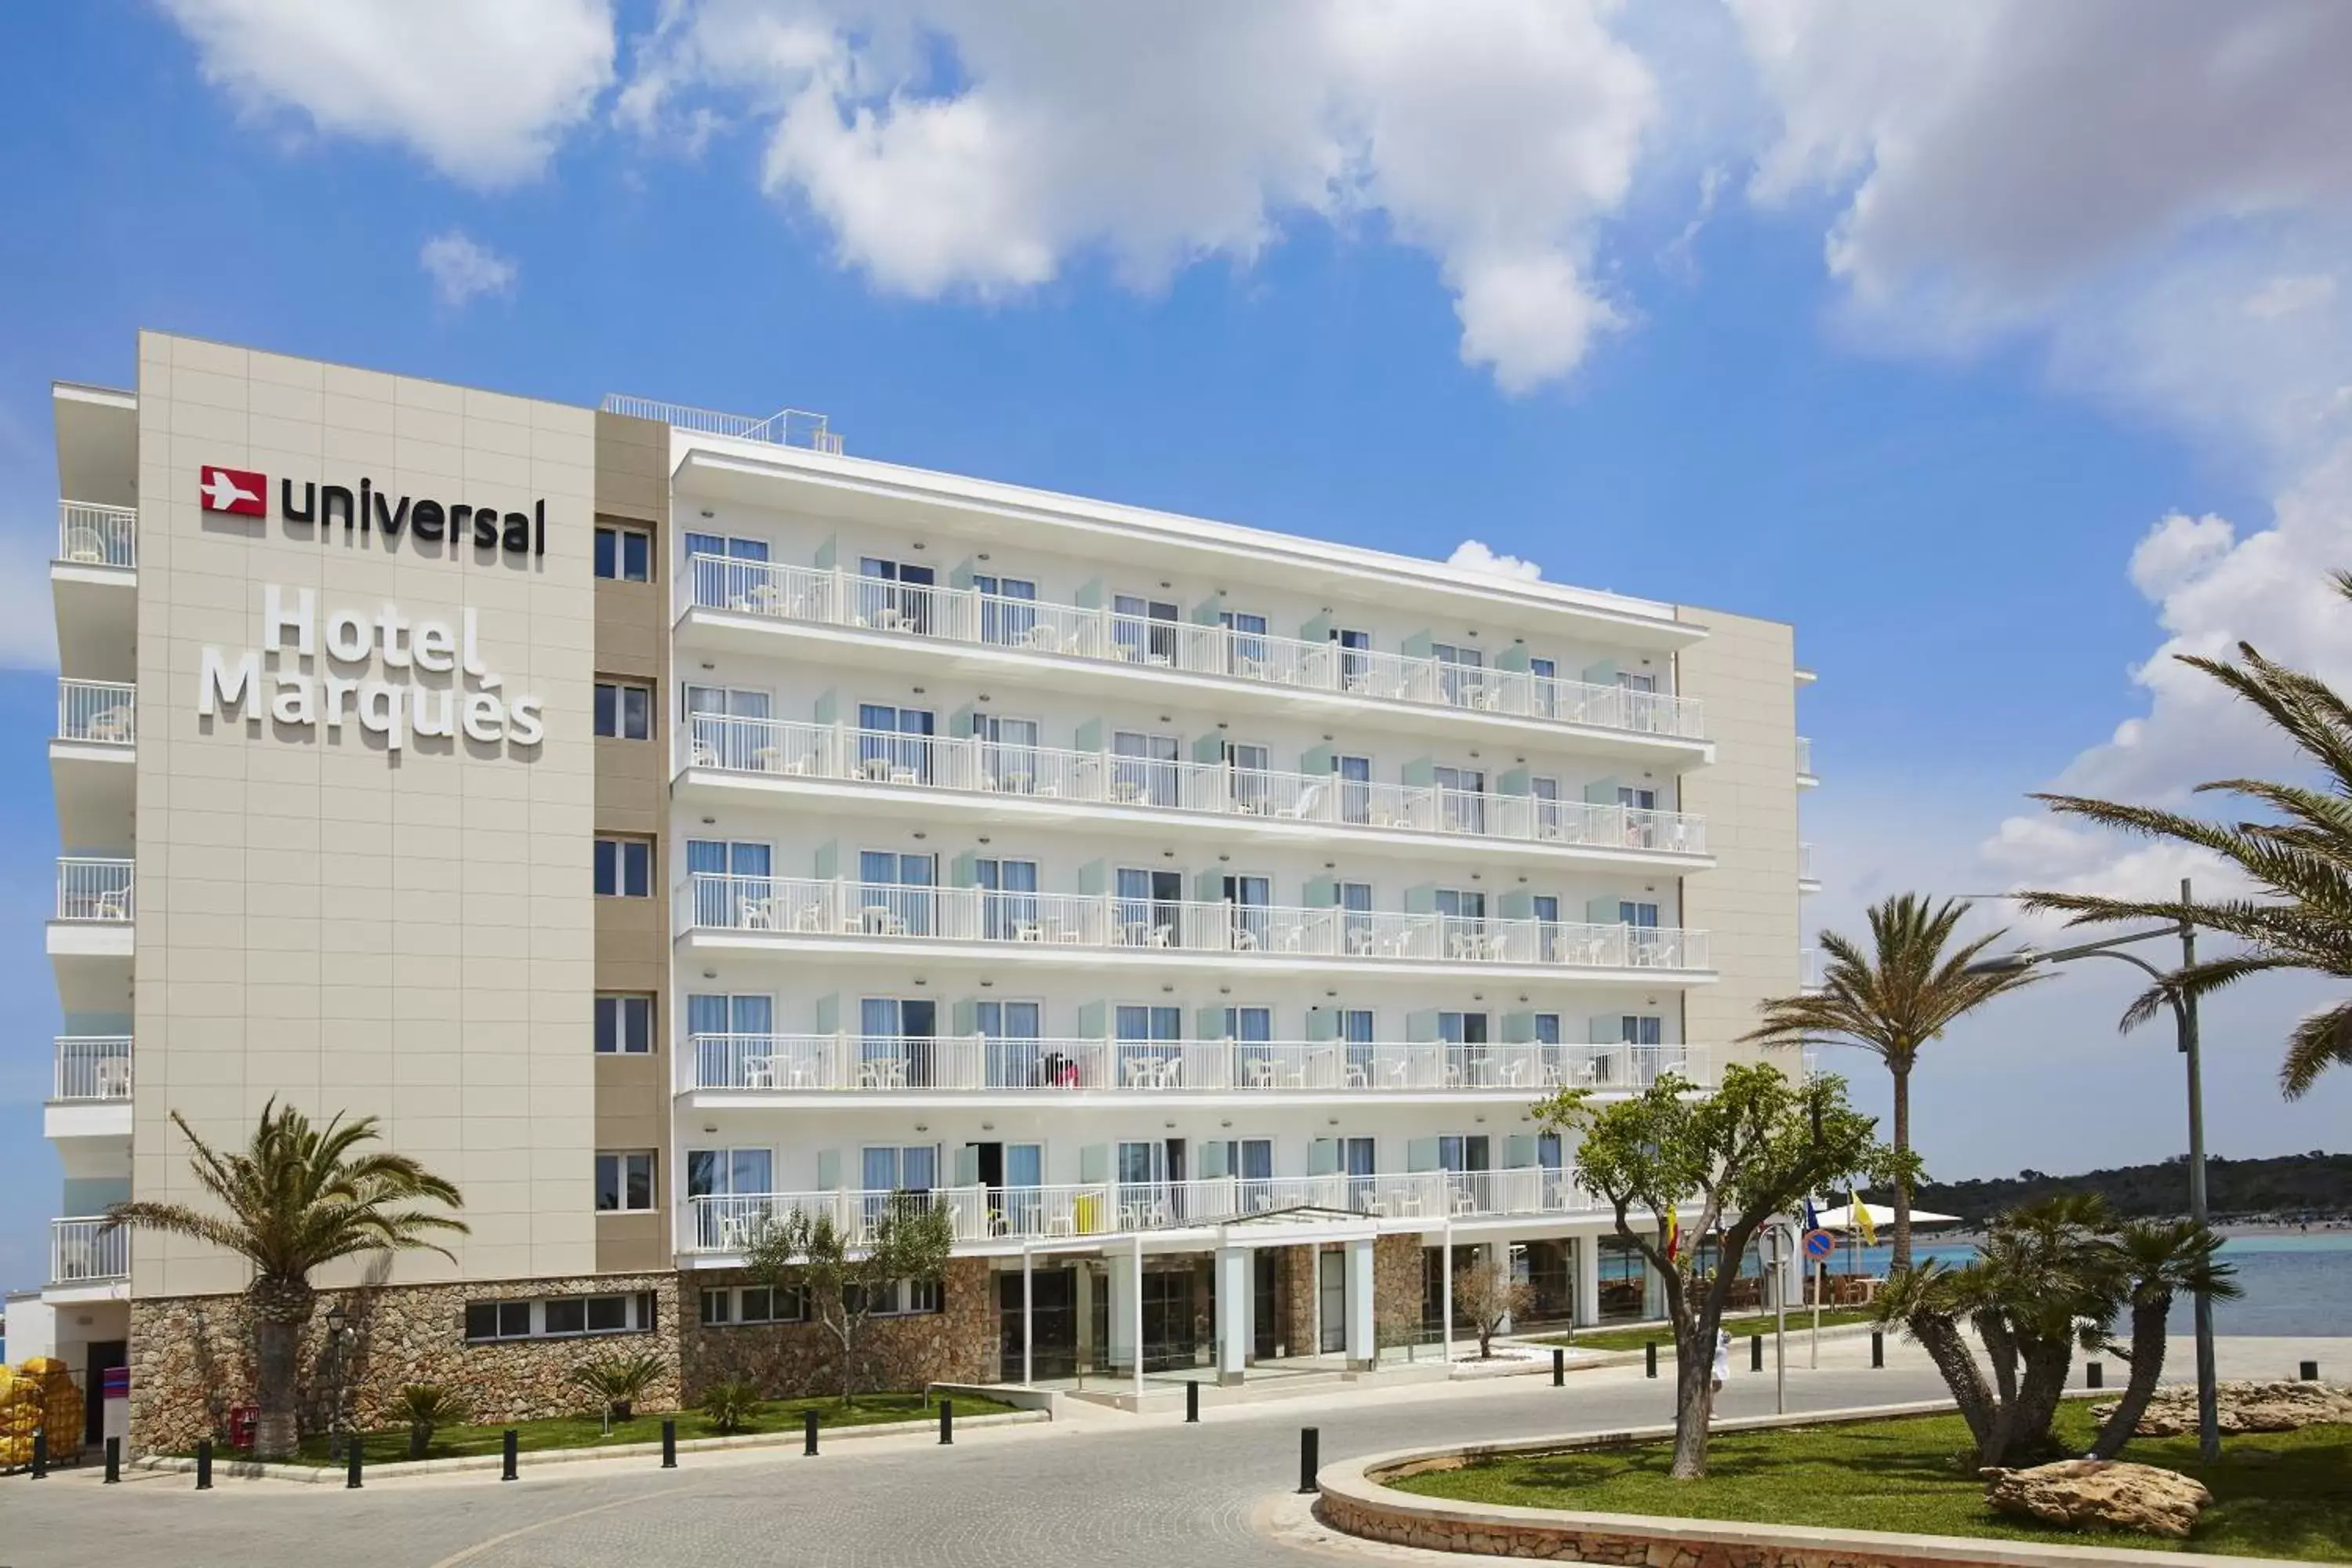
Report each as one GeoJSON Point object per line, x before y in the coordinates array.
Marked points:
{"type": "Point", "coordinates": [204, 1465]}
{"type": "Point", "coordinates": [1310, 1441]}
{"type": "Point", "coordinates": [2094, 1375]}
{"type": "Point", "coordinates": [2310, 1371]}
{"type": "Point", "coordinates": [510, 1454]}
{"type": "Point", "coordinates": [1650, 1359]}
{"type": "Point", "coordinates": [1877, 1347]}
{"type": "Point", "coordinates": [947, 1420]}
{"type": "Point", "coordinates": [1755, 1353]}
{"type": "Point", "coordinates": [1558, 1367]}
{"type": "Point", "coordinates": [669, 1443]}
{"type": "Point", "coordinates": [808, 1433]}
{"type": "Point", "coordinates": [351, 1466]}
{"type": "Point", "coordinates": [40, 1453]}
{"type": "Point", "coordinates": [113, 1461]}
{"type": "Point", "coordinates": [1192, 1401]}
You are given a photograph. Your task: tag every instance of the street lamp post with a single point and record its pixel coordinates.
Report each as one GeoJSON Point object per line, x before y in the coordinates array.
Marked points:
{"type": "Point", "coordinates": [2184, 1020]}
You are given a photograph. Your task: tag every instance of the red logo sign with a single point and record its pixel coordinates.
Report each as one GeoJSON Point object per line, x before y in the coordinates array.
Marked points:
{"type": "Point", "coordinates": [236, 490]}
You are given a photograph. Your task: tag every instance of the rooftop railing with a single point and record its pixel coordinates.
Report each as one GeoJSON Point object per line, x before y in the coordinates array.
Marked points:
{"type": "Point", "coordinates": [830, 597]}
{"type": "Point", "coordinates": [92, 1066]}
{"type": "Point", "coordinates": [97, 712]}
{"type": "Point", "coordinates": [788, 749]}
{"type": "Point", "coordinates": [94, 888]}
{"type": "Point", "coordinates": [83, 1251]}
{"type": "Point", "coordinates": [819, 906]}
{"type": "Point", "coordinates": [852, 1064]}
{"type": "Point", "coordinates": [91, 535]}
{"type": "Point", "coordinates": [786, 427]}
{"type": "Point", "coordinates": [979, 1215]}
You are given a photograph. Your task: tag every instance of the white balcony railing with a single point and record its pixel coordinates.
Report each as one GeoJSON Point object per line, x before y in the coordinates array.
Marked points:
{"type": "Point", "coordinates": [829, 596]}
{"type": "Point", "coordinates": [91, 889]}
{"type": "Point", "coordinates": [981, 1214]}
{"type": "Point", "coordinates": [97, 535]}
{"type": "Point", "coordinates": [1805, 872]}
{"type": "Point", "coordinates": [1804, 758]}
{"type": "Point", "coordinates": [817, 907]}
{"type": "Point", "coordinates": [92, 1066]}
{"type": "Point", "coordinates": [976, 1064]}
{"type": "Point", "coordinates": [1809, 968]}
{"type": "Point", "coordinates": [787, 749]}
{"type": "Point", "coordinates": [787, 427]}
{"type": "Point", "coordinates": [84, 1251]}
{"type": "Point", "coordinates": [100, 712]}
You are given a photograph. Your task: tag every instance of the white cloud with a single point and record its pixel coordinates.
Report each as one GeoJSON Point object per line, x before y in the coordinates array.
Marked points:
{"type": "Point", "coordinates": [2284, 296]}
{"type": "Point", "coordinates": [1494, 134]}
{"type": "Point", "coordinates": [481, 92]}
{"type": "Point", "coordinates": [28, 634]}
{"type": "Point", "coordinates": [1473, 555]}
{"type": "Point", "coordinates": [463, 271]}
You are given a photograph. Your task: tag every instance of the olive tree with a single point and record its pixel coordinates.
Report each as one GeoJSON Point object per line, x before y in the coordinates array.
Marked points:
{"type": "Point", "coordinates": [1728, 1162]}
{"type": "Point", "coordinates": [845, 1275]}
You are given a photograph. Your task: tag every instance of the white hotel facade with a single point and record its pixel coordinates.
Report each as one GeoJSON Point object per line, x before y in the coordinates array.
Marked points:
{"type": "Point", "coordinates": [731, 825]}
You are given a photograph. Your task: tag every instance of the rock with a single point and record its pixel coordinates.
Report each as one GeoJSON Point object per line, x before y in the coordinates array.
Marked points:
{"type": "Point", "coordinates": [2101, 1494]}
{"type": "Point", "coordinates": [2242, 1407]}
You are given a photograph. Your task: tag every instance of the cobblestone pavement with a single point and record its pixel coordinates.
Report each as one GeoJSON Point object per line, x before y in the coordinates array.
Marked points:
{"type": "Point", "coordinates": [1099, 1487]}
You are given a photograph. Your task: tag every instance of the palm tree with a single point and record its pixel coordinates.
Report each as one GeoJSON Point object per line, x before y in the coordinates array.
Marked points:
{"type": "Point", "coordinates": [298, 1197]}
{"type": "Point", "coordinates": [2302, 865]}
{"type": "Point", "coordinates": [1904, 992]}
{"type": "Point", "coordinates": [2156, 1261]}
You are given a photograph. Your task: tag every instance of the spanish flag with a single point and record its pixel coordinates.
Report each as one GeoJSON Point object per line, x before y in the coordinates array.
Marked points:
{"type": "Point", "coordinates": [1674, 1236]}
{"type": "Point", "coordinates": [1858, 1217]}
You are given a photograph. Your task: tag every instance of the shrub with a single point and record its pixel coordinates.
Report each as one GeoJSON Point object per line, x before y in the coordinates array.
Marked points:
{"type": "Point", "coordinates": [423, 1406]}
{"type": "Point", "coordinates": [732, 1406]}
{"type": "Point", "coordinates": [616, 1381]}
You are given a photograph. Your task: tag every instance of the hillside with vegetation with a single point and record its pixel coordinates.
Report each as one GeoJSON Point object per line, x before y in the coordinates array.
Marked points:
{"type": "Point", "coordinates": [2291, 1187]}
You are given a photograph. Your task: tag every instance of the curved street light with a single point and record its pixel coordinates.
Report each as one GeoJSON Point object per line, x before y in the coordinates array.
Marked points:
{"type": "Point", "coordinates": [2184, 1020]}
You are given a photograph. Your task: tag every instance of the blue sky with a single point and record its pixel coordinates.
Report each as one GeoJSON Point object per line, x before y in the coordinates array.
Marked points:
{"type": "Point", "coordinates": [1904, 326]}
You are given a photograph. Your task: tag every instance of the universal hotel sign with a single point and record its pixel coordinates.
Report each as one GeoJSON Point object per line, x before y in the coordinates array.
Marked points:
{"type": "Point", "coordinates": [356, 643]}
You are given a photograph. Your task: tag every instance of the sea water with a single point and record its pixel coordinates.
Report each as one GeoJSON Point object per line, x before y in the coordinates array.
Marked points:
{"type": "Point", "coordinates": [2296, 1283]}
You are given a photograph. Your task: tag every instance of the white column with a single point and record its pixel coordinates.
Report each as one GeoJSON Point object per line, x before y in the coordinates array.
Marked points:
{"type": "Point", "coordinates": [1233, 1312]}
{"type": "Point", "coordinates": [1315, 1301]}
{"type": "Point", "coordinates": [1135, 1299]}
{"type": "Point", "coordinates": [1126, 1308]}
{"type": "Point", "coordinates": [1363, 1345]}
{"type": "Point", "coordinates": [1091, 1354]}
{"type": "Point", "coordinates": [1588, 1280]}
{"type": "Point", "coordinates": [1028, 1312]}
{"type": "Point", "coordinates": [1446, 1241]}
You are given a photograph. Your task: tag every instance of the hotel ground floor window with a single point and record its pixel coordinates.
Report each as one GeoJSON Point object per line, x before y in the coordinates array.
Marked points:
{"type": "Point", "coordinates": [1624, 1280]}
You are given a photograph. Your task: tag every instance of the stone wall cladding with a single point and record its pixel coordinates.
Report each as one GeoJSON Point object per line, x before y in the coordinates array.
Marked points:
{"type": "Point", "coordinates": [192, 1356]}
{"type": "Point", "coordinates": [956, 1345]}
{"type": "Point", "coordinates": [1397, 1265]}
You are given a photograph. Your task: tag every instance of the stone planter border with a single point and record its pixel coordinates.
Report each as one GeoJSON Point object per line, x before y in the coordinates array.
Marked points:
{"type": "Point", "coordinates": [247, 1469]}
{"type": "Point", "coordinates": [1356, 1499]}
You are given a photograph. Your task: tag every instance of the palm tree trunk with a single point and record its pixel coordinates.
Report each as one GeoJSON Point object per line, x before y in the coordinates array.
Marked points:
{"type": "Point", "coordinates": [1941, 1338]}
{"type": "Point", "coordinates": [281, 1310]}
{"type": "Point", "coordinates": [2146, 1367]}
{"type": "Point", "coordinates": [1902, 1072]}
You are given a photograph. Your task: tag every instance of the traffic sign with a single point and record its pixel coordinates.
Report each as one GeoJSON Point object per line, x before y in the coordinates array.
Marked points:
{"type": "Point", "coordinates": [1820, 1244]}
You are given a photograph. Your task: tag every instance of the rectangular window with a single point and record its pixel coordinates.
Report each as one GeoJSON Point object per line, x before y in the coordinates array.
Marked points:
{"type": "Point", "coordinates": [607, 1314]}
{"type": "Point", "coordinates": [559, 1316]}
{"type": "Point", "coordinates": [718, 1308]}
{"type": "Point", "coordinates": [624, 555]}
{"type": "Point", "coordinates": [624, 1181]}
{"type": "Point", "coordinates": [567, 1315]}
{"type": "Point", "coordinates": [625, 710]}
{"type": "Point", "coordinates": [625, 868]}
{"type": "Point", "coordinates": [1631, 914]}
{"type": "Point", "coordinates": [624, 1026]}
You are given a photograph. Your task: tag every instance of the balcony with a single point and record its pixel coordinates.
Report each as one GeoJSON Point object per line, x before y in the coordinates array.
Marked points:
{"type": "Point", "coordinates": [789, 1067]}
{"type": "Point", "coordinates": [97, 712]}
{"type": "Point", "coordinates": [1052, 785]}
{"type": "Point", "coordinates": [89, 1095]}
{"type": "Point", "coordinates": [1806, 777]}
{"type": "Point", "coordinates": [817, 913]}
{"type": "Point", "coordinates": [89, 936]}
{"type": "Point", "coordinates": [93, 890]}
{"type": "Point", "coordinates": [98, 536]}
{"type": "Point", "coordinates": [1808, 969]}
{"type": "Point", "coordinates": [787, 427]}
{"type": "Point", "coordinates": [87, 1261]}
{"type": "Point", "coordinates": [91, 759]}
{"type": "Point", "coordinates": [1808, 879]}
{"type": "Point", "coordinates": [725, 1227]}
{"type": "Point", "coordinates": [882, 614]}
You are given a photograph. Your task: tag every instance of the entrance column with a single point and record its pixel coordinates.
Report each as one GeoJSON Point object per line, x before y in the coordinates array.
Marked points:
{"type": "Point", "coordinates": [1126, 1299]}
{"type": "Point", "coordinates": [1446, 1274]}
{"type": "Point", "coordinates": [1028, 1312]}
{"type": "Point", "coordinates": [1233, 1289]}
{"type": "Point", "coordinates": [1363, 1343]}
{"type": "Point", "coordinates": [1135, 1297]}
{"type": "Point", "coordinates": [1588, 1280]}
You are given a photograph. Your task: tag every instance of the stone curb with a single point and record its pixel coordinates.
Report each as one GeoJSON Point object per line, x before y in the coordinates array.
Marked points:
{"type": "Point", "coordinates": [1666, 1343]}
{"type": "Point", "coordinates": [1353, 1500]}
{"type": "Point", "coordinates": [246, 1469]}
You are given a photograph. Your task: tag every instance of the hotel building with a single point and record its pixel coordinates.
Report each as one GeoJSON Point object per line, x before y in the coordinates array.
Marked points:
{"type": "Point", "coordinates": [662, 821]}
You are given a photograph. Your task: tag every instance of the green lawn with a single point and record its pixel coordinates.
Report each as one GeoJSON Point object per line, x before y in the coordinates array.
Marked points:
{"type": "Point", "coordinates": [1745, 1323]}
{"type": "Point", "coordinates": [587, 1432]}
{"type": "Point", "coordinates": [2287, 1494]}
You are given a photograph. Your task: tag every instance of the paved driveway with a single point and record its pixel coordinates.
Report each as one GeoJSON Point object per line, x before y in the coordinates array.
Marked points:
{"type": "Point", "coordinates": [1100, 1488]}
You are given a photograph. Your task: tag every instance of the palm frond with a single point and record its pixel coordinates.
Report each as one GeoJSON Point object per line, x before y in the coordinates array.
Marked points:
{"type": "Point", "coordinates": [2316, 1043]}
